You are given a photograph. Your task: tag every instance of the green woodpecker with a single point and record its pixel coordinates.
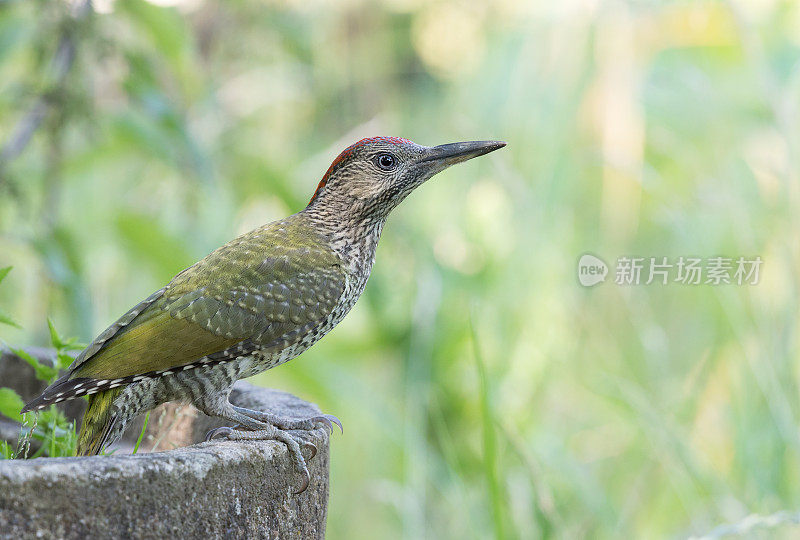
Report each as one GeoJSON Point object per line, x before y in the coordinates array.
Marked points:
{"type": "Point", "coordinates": [256, 302]}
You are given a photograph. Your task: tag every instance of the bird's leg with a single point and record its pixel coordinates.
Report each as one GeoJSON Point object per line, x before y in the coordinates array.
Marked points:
{"type": "Point", "coordinates": [218, 405]}
{"type": "Point", "coordinates": [283, 422]}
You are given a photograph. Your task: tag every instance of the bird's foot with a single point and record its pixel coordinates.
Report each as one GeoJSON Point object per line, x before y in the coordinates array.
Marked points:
{"type": "Point", "coordinates": [285, 423]}
{"type": "Point", "coordinates": [293, 441]}
{"type": "Point", "coordinates": [258, 425]}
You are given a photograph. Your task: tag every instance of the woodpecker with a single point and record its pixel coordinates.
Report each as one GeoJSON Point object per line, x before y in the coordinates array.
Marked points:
{"type": "Point", "coordinates": [252, 304]}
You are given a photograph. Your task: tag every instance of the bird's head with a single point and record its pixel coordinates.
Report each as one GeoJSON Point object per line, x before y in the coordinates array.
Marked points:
{"type": "Point", "coordinates": [369, 178]}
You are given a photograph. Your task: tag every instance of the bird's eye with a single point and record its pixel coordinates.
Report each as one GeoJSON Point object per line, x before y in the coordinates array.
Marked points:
{"type": "Point", "coordinates": [387, 162]}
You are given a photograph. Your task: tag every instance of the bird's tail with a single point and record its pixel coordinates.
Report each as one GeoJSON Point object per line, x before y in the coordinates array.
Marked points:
{"type": "Point", "coordinates": [97, 422]}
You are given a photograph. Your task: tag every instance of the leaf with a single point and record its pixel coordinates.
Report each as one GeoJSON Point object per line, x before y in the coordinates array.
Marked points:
{"type": "Point", "coordinates": [64, 360]}
{"type": "Point", "coordinates": [5, 319]}
{"type": "Point", "coordinates": [11, 404]}
{"type": "Point", "coordinates": [55, 339]}
{"type": "Point", "coordinates": [4, 272]}
{"type": "Point", "coordinates": [62, 344]}
{"type": "Point", "coordinates": [43, 372]}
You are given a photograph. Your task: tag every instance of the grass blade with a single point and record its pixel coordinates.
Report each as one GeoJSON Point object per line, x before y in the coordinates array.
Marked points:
{"type": "Point", "coordinates": [489, 440]}
{"type": "Point", "coordinates": [141, 435]}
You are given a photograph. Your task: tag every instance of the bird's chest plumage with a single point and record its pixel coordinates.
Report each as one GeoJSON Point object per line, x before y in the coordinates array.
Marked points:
{"type": "Point", "coordinates": [357, 259]}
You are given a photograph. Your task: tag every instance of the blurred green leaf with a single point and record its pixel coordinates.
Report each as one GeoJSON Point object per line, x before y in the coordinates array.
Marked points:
{"type": "Point", "coordinates": [6, 451]}
{"type": "Point", "coordinates": [43, 372]}
{"type": "Point", "coordinates": [5, 319]}
{"type": "Point", "coordinates": [11, 404]}
{"type": "Point", "coordinates": [65, 360]}
{"type": "Point", "coordinates": [55, 339]}
{"type": "Point", "coordinates": [61, 343]}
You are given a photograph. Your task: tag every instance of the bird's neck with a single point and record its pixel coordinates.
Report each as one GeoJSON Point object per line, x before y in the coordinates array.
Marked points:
{"type": "Point", "coordinates": [354, 240]}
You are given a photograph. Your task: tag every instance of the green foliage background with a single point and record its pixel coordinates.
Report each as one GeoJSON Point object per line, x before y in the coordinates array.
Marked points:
{"type": "Point", "coordinates": [635, 128]}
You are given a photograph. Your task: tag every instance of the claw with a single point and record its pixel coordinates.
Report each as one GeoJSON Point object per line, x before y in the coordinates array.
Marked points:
{"type": "Point", "coordinates": [312, 447]}
{"type": "Point", "coordinates": [306, 480]}
{"type": "Point", "coordinates": [328, 420]}
{"type": "Point", "coordinates": [224, 431]}
{"type": "Point", "coordinates": [336, 421]}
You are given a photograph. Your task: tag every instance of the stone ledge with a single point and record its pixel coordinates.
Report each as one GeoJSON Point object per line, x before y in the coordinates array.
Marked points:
{"type": "Point", "coordinates": [213, 489]}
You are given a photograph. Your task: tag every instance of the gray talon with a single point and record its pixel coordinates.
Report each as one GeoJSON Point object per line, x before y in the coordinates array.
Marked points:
{"type": "Point", "coordinates": [325, 421]}
{"type": "Point", "coordinates": [336, 421]}
{"type": "Point", "coordinates": [224, 431]}
{"type": "Point", "coordinates": [306, 480]}
{"type": "Point", "coordinates": [312, 447]}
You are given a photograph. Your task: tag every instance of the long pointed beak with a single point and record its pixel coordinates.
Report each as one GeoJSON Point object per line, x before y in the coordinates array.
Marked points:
{"type": "Point", "coordinates": [450, 154]}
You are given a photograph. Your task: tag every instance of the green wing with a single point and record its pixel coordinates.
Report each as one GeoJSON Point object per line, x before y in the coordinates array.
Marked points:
{"type": "Point", "coordinates": [268, 288]}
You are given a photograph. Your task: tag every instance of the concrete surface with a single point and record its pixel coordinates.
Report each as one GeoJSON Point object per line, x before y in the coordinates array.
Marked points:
{"type": "Point", "coordinates": [218, 489]}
